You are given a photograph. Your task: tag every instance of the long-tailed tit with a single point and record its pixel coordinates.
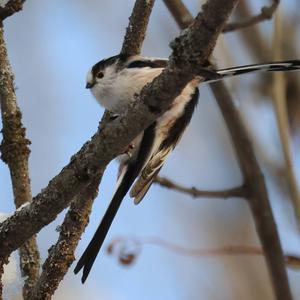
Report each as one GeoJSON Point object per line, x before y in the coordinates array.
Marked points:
{"type": "Point", "coordinates": [114, 82]}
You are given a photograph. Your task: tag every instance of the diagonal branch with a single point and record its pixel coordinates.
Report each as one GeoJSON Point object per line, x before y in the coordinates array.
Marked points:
{"type": "Point", "coordinates": [265, 14]}
{"type": "Point", "coordinates": [193, 46]}
{"type": "Point", "coordinates": [136, 30]}
{"type": "Point", "coordinates": [15, 153]}
{"type": "Point", "coordinates": [196, 193]}
{"type": "Point", "coordinates": [256, 192]}
{"type": "Point", "coordinates": [11, 7]}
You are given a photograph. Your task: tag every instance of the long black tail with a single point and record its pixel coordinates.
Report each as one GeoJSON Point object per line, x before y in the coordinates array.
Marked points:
{"type": "Point", "coordinates": [133, 169]}
{"type": "Point", "coordinates": [283, 66]}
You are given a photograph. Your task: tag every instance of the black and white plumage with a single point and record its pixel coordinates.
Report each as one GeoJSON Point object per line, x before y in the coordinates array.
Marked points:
{"type": "Point", "coordinates": [114, 82]}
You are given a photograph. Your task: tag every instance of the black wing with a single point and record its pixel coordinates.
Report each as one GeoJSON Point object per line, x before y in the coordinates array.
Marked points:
{"type": "Point", "coordinates": [133, 169]}
{"type": "Point", "coordinates": [158, 158]}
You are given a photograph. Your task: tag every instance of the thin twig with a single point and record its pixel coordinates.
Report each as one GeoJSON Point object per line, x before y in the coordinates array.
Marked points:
{"type": "Point", "coordinates": [136, 30]}
{"type": "Point", "coordinates": [266, 14]}
{"type": "Point", "coordinates": [252, 37]}
{"type": "Point", "coordinates": [61, 255]}
{"type": "Point", "coordinates": [256, 192]}
{"type": "Point", "coordinates": [192, 48]}
{"type": "Point", "coordinates": [131, 247]}
{"type": "Point", "coordinates": [15, 153]}
{"type": "Point", "coordinates": [280, 105]}
{"type": "Point", "coordinates": [196, 193]}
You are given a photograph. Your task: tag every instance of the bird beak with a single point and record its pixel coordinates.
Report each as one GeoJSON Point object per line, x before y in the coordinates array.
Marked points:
{"type": "Point", "coordinates": [89, 85]}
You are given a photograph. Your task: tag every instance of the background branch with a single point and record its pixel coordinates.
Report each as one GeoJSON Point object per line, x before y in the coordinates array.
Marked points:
{"type": "Point", "coordinates": [196, 193]}
{"type": "Point", "coordinates": [15, 153]}
{"type": "Point", "coordinates": [130, 247]}
{"type": "Point", "coordinates": [256, 192]}
{"type": "Point", "coordinates": [280, 106]}
{"type": "Point", "coordinates": [266, 14]}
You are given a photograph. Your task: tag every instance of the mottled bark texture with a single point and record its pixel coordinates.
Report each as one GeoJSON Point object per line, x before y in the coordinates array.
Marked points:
{"type": "Point", "coordinates": [92, 159]}
{"type": "Point", "coordinates": [61, 255]}
{"type": "Point", "coordinates": [11, 7]}
{"type": "Point", "coordinates": [15, 153]}
{"type": "Point", "coordinates": [1, 274]}
{"type": "Point", "coordinates": [136, 30]}
{"type": "Point", "coordinates": [254, 185]}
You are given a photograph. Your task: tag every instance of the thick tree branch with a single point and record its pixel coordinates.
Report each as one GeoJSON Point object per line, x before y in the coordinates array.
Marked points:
{"type": "Point", "coordinates": [15, 153]}
{"type": "Point", "coordinates": [106, 144]}
{"type": "Point", "coordinates": [1, 275]}
{"type": "Point", "coordinates": [136, 30]}
{"type": "Point", "coordinates": [255, 188]}
{"type": "Point", "coordinates": [196, 193]}
{"type": "Point", "coordinates": [265, 14]}
{"type": "Point", "coordinates": [11, 7]}
{"type": "Point", "coordinates": [61, 255]}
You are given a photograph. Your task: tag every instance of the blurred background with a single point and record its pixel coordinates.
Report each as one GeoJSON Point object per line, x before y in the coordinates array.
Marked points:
{"type": "Point", "coordinates": [51, 46]}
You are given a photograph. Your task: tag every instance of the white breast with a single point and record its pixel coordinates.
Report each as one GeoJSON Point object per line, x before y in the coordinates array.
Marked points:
{"type": "Point", "coordinates": [117, 90]}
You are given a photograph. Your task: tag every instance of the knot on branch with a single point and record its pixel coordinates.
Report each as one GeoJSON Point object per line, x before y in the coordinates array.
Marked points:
{"type": "Point", "coordinates": [14, 144]}
{"type": "Point", "coordinates": [267, 12]}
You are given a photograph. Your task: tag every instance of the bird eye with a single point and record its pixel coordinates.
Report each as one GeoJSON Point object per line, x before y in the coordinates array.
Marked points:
{"type": "Point", "coordinates": [100, 75]}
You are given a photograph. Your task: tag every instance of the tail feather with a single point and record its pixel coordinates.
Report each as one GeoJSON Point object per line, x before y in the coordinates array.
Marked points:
{"type": "Point", "coordinates": [283, 66]}
{"type": "Point", "coordinates": [133, 169]}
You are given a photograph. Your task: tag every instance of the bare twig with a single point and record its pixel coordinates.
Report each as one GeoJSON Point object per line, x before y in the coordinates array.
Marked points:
{"type": "Point", "coordinates": [256, 192]}
{"type": "Point", "coordinates": [15, 153]}
{"type": "Point", "coordinates": [266, 14]}
{"type": "Point", "coordinates": [194, 46]}
{"type": "Point", "coordinates": [136, 30]}
{"type": "Point", "coordinates": [252, 37]}
{"type": "Point", "coordinates": [280, 105]}
{"type": "Point", "coordinates": [11, 7]}
{"type": "Point", "coordinates": [179, 12]}
{"type": "Point", "coordinates": [196, 193]}
{"type": "Point", "coordinates": [61, 255]}
{"type": "Point", "coordinates": [127, 249]}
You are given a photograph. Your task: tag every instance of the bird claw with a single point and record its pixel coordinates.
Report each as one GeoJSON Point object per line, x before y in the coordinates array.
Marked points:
{"type": "Point", "coordinates": [128, 150]}
{"type": "Point", "coordinates": [113, 116]}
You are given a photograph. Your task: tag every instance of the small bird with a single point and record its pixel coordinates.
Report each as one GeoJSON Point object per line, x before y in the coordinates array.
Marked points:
{"type": "Point", "coordinates": [114, 82]}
